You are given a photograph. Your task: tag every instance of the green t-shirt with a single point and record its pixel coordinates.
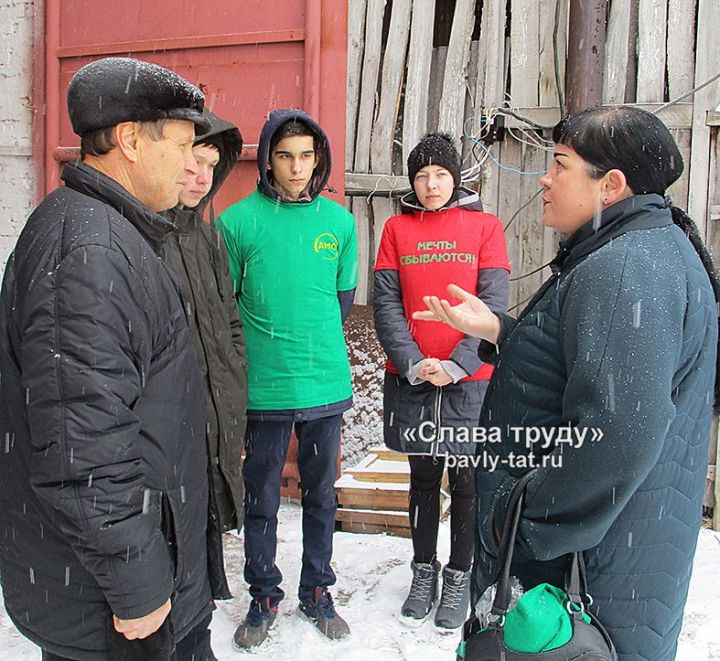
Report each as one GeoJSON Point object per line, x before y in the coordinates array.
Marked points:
{"type": "Point", "coordinates": [288, 261]}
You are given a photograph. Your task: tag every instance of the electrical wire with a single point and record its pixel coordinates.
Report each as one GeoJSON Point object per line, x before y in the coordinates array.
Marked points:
{"type": "Point", "coordinates": [687, 94]}
{"type": "Point", "coordinates": [527, 275]}
{"type": "Point", "coordinates": [524, 206]}
{"type": "Point", "coordinates": [507, 167]}
{"type": "Point", "coordinates": [528, 139]}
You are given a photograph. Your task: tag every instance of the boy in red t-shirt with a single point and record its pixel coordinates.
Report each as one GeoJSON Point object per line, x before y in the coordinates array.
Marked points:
{"type": "Point", "coordinates": [434, 378]}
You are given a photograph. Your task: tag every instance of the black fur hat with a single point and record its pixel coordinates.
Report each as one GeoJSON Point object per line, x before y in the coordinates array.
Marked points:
{"type": "Point", "coordinates": [121, 89]}
{"type": "Point", "coordinates": [435, 149]}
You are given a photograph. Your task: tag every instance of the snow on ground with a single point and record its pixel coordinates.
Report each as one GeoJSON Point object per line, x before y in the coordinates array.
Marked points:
{"type": "Point", "coordinates": [373, 578]}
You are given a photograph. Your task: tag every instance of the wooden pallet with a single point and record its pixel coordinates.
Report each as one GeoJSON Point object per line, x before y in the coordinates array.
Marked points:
{"type": "Point", "coordinates": [373, 496]}
{"type": "Point", "coordinates": [374, 521]}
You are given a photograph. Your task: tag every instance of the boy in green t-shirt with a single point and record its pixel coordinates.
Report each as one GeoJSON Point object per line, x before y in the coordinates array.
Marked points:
{"type": "Point", "coordinates": [293, 259]}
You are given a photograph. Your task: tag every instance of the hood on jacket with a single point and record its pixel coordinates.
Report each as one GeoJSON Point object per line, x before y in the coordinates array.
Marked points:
{"type": "Point", "coordinates": [228, 140]}
{"type": "Point", "coordinates": [226, 137]}
{"type": "Point", "coordinates": [322, 170]}
{"type": "Point", "coordinates": [461, 197]}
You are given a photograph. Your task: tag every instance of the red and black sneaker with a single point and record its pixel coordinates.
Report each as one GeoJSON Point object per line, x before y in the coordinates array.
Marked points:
{"type": "Point", "coordinates": [254, 629]}
{"type": "Point", "coordinates": [320, 610]}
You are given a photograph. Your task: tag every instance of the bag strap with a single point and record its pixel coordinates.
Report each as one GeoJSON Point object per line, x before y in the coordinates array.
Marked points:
{"type": "Point", "coordinates": [576, 581]}
{"type": "Point", "coordinates": [506, 548]}
{"type": "Point", "coordinates": [575, 576]}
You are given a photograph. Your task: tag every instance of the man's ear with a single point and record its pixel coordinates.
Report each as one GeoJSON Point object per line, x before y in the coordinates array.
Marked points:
{"type": "Point", "coordinates": [126, 136]}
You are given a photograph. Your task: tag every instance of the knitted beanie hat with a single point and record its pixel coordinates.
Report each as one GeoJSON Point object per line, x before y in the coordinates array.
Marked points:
{"type": "Point", "coordinates": [435, 149]}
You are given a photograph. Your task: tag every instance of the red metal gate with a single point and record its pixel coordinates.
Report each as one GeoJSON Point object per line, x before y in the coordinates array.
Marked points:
{"type": "Point", "coordinates": [248, 57]}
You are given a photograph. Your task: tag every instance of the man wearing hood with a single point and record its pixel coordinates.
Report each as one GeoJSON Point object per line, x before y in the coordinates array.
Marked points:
{"type": "Point", "coordinates": [198, 258]}
{"type": "Point", "coordinates": [293, 259]}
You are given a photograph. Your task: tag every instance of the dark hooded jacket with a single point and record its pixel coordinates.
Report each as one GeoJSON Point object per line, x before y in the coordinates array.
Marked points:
{"type": "Point", "coordinates": [103, 479]}
{"type": "Point", "coordinates": [322, 170]}
{"type": "Point", "coordinates": [621, 340]}
{"type": "Point", "coordinates": [407, 406]}
{"type": "Point", "coordinates": [317, 184]}
{"type": "Point", "coordinates": [197, 256]}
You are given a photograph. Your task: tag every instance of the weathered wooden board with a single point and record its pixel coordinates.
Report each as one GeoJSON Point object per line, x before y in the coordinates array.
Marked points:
{"type": "Point", "coordinates": [524, 52]}
{"type": "Point", "coordinates": [376, 469]}
{"type": "Point", "coordinates": [680, 46]}
{"type": "Point", "coordinates": [547, 87]}
{"type": "Point", "coordinates": [437, 71]}
{"type": "Point", "coordinates": [368, 85]}
{"type": "Point", "coordinates": [356, 46]}
{"type": "Point", "coordinates": [373, 500]}
{"type": "Point", "coordinates": [452, 103]}
{"type": "Point", "coordinates": [619, 47]}
{"type": "Point", "coordinates": [393, 69]}
{"type": "Point", "coordinates": [362, 227]}
{"type": "Point", "coordinates": [652, 31]}
{"type": "Point", "coordinates": [491, 77]}
{"type": "Point", "coordinates": [530, 229]}
{"type": "Point", "coordinates": [707, 57]}
{"type": "Point", "coordinates": [415, 114]}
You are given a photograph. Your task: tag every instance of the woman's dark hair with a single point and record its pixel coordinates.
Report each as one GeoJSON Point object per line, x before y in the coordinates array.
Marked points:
{"type": "Point", "coordinates": [638, 144]}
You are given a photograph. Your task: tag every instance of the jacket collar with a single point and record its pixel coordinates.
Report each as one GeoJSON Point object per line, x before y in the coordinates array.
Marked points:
{"type": "Point", "coordinates": [638, 212]}
{"type": "Point", "coordinates": [89, 181]}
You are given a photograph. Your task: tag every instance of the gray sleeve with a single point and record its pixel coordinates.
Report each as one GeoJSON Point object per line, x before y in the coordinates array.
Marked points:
{"type": "Point", "coordinates": [455, 372]}
{"type": "Point", "coordinates": [391, 325]}
{"type": "Point", "coordinates": [493, 288]}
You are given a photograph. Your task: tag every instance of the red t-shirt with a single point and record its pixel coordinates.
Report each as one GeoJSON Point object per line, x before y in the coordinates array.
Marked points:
{"type": "Point", "coordinates": [432, 250]}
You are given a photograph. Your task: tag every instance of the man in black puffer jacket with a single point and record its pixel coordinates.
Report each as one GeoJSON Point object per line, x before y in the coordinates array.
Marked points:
{"type": "Point", "coordinates": [198, 258]}
{"type": "Point", "coordinates": [103, 475]}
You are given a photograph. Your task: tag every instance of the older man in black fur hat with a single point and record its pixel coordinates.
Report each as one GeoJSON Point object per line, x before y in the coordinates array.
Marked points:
{"type": "Point", "coordinates": [103, 477]}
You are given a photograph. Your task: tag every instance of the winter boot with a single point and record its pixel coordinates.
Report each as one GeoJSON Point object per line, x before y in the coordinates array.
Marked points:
{"type": "Point", "coordinates": [254, 630]}
{"type": "Point", "coordinates": [319, 609]}
{"type": "Point", "coordinates": [455, 598]}
{"type": "Point", "coordinates": [423, 589]}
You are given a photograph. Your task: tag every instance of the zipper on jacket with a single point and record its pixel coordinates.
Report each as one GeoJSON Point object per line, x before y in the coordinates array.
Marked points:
{"type": "Point", "coordinates": [437, 420]}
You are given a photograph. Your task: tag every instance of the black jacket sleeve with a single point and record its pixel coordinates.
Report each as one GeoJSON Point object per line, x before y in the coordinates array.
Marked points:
{"type": "Point", "coordinates": [345, 299]}
{"type": "Point", "coordinates": [489, 352]}
{"type": "Point", "coordinates": [87, 344]}
{"type": "Point", "coordinates": [391, 324]}
{"type": "Point", "coordinates": [228, 295]}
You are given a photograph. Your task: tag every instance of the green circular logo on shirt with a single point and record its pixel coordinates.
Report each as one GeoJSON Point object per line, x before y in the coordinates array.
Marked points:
{"type": "Point", "coordinates": [326, 245]}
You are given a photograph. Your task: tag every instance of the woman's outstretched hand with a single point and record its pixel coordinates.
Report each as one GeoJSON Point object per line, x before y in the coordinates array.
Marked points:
{"type": "Point", "coordinates": [471, 315]}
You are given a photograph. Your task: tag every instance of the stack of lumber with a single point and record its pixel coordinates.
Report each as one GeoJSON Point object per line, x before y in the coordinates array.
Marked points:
{"type": "Point", "coordinates": [373, 496]}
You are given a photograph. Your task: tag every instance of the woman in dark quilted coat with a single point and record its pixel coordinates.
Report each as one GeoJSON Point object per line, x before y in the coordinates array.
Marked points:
{"type": "Point", "coordinates": [613, 363]}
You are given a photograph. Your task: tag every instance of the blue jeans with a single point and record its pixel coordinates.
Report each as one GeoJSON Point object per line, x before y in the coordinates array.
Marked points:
{"type": "Point", "coordinates": [266, 448]}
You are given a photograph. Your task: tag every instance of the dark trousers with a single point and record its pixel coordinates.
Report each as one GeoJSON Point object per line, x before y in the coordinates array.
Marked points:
{"type": "Point", "coordinates": [266, 446]}
{"type": "Point", "coordinates": [195, 646]}
{"type": "Point", "coordinates": [425, 476]}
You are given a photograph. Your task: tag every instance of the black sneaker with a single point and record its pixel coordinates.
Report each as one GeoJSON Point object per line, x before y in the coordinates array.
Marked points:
{"type": "Point", "coordinates": [254, 629]}
{"type": "Point", "coordinates": [423, 590]}
{"type": "Point", "coordinates": [319, 609]}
